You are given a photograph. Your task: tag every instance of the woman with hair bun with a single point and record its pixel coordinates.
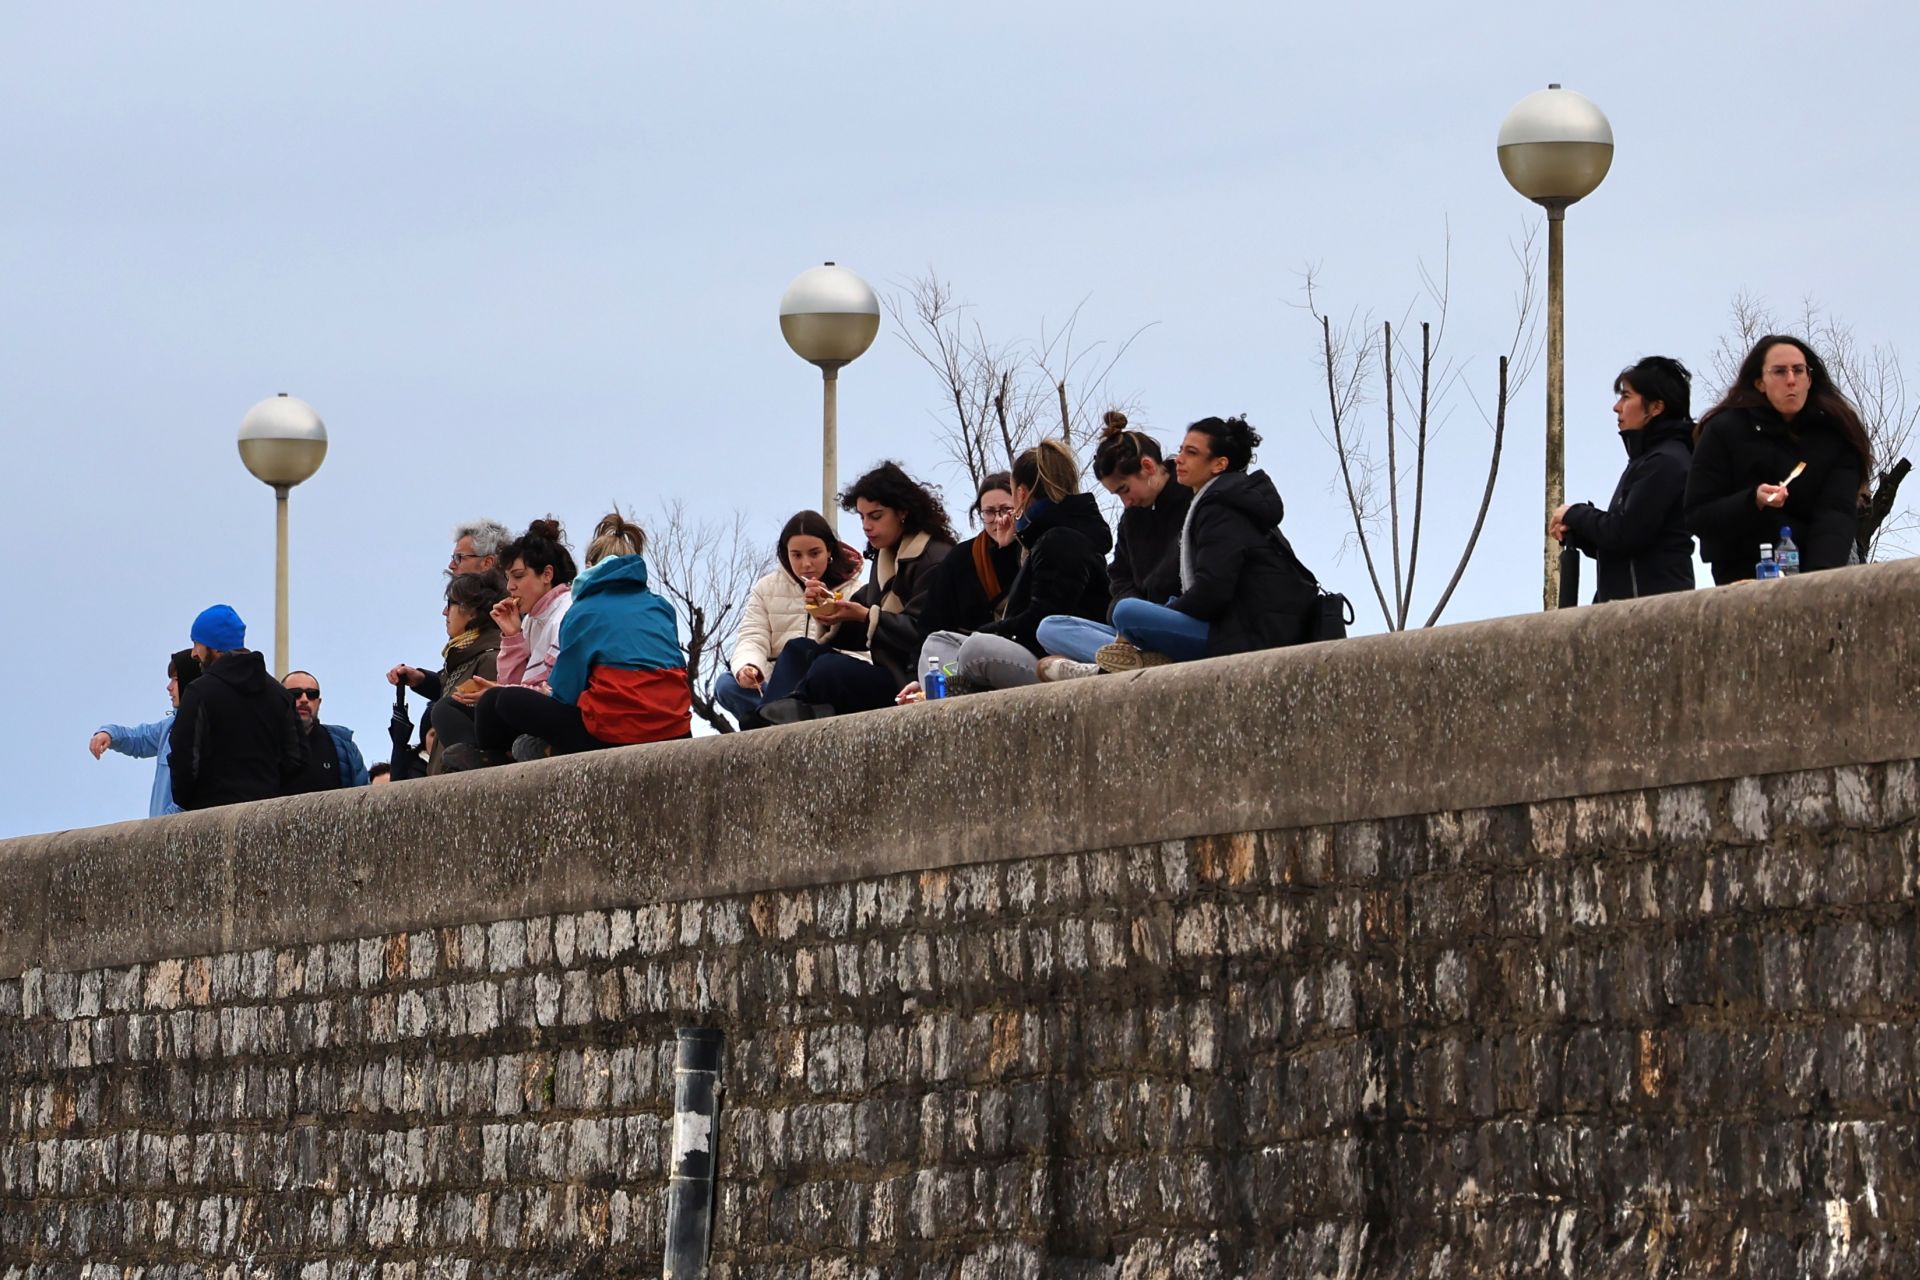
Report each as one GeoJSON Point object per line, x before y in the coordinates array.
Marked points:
{"type": "Point", "coordinates": [1241, 586]}
{"type": "Point", "coordinates": [1747, 482]}
{"type": "Point", "coordinates": [776, 613]}
{"type": "Point", "coordinates": [1146, 553]}
{"type": "Point", "coordinates": [619, 678]}
{"type": "Point", "coordinates": [907, 535]}
{"type": "Point", "coordinates": [1064, 542]}
{"type": "Point", "coordinates": [540, 574]}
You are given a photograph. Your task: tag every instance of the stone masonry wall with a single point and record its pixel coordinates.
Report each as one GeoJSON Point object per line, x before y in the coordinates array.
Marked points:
{"type": "Point", "coordinates": [1656, 1032]}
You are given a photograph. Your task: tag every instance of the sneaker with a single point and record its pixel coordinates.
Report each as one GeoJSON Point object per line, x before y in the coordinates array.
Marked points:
{"type": "Point", "coordinates": [462, 756]}
{"type": "Point", "coordinates": [1124, 655]}
{"type": "Point", "coordinates": [526, 747]}
{"type": "Point", "coordinates": [1055, 667]}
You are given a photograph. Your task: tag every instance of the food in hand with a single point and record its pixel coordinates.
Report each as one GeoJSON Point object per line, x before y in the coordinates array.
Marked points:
{"type": "Point", "coordinates": [472, 684]}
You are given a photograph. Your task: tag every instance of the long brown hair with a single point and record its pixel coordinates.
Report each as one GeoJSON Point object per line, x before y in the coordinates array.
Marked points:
{"type": "Point", "coordinates": [841, 568]}
{"type": "Point", "coordinates": [1824, 400]}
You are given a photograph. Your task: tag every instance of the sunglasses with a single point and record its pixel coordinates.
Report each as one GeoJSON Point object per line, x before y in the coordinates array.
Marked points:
{"type": "Point", "coordinates": [305, 693]}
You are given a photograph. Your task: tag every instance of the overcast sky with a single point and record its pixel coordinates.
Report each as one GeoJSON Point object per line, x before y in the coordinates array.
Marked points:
{"type": "Point", "coordinates": [527, 259]}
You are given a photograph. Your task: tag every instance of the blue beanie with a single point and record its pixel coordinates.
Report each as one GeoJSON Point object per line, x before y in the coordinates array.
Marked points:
{"type": "Point", "coordinates": [219, 628]}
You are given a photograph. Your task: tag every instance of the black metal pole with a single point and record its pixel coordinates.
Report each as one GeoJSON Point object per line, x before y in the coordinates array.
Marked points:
{"type": "Point", "coordinates": [696, 1106]}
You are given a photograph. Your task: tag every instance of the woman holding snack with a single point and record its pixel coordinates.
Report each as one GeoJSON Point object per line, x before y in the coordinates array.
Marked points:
{"type": "Point", "coordinates": [1782, 450]}
{"type": "Point", "coordinates": [777, 610]}
{"type": "Point", "coordinates": [469, 661]}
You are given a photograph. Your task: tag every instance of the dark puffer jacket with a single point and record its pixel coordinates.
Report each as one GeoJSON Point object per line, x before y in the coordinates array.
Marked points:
{"type": "Point", "coordinates": [1247, 585]}
{"type": "Point", "coordinates": [1146, 553]}
{"type": "Point", "coordinates": [1741, 449]}
{"type": "Point", "coordinates": [1640, 543]}
{"type": "Point", "coordinates": [1065, 570]}
{"type": "Point", "coordinates": [237, 736]}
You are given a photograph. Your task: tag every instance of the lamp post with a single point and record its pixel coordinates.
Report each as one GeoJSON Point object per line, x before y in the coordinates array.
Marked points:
{"type": "Point", "coordinates": [829, 316]}
{"type": "Point", "coordinates": [1555, 147]}
{"type": "Point", "coordinates": [282, 441]}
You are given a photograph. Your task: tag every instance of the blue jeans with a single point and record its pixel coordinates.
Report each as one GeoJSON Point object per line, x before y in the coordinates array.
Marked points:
{"type": "Point", "coordinates": [1072, 637]}
{"type": "Point", "coordinates": [1161, 630]}
{"type": "Point", "coordinates": [734, 700]}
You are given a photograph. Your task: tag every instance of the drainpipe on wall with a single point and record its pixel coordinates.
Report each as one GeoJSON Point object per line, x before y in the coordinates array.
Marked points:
{"type": "Point", "coordinates": [696, 1105]}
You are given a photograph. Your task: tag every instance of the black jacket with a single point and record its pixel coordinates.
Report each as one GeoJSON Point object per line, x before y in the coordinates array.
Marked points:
{"type": "Point", "coordinates": [1247, 583]}
{"type": "Point", "coordinates": [893, 638]}
{"type": "Point", "coordinates": [1741, 449]}
{"type": "Point", "coordinates": [1146, 553]}
{"type": "Point", "coordinates": [1640, 542]}
{"type": "Point", "coordinates": [236, 737]}
{"type": "Point", "coordinates": [956, 598]}
{"type": "Point", "coordinates": [1065, 570]}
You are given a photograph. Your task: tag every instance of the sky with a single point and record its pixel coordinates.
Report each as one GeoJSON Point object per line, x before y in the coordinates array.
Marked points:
{"type": "Point", "coordinates": [528, 259]}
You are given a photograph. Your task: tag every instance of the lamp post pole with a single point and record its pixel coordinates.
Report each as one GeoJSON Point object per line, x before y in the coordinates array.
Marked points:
{"type": "Point", "coordinates": [1555, 147]}
{"type": "Point", "coordinates": [282, 442]}
{"type": "Point", "coordinates": [829, 316]}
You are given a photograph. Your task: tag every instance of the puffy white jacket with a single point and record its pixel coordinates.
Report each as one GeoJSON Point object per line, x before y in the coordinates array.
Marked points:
{"type": "Point", "coordinates": [776, 613]}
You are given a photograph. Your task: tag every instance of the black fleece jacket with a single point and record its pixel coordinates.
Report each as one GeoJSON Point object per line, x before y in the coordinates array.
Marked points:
{"type": "Point", "coordinates": [1247, 584]}
{"type": "Point", "coordinates": [1146, 553]}
{"type": "Point", "coordinates": [237, 736]}
{"type": "Point", "coordinates": [1741, 449]}
{"type": "Point", "coordinates": [1640, 544]}
{"type": "Point", "coordinates": [1064, 572]}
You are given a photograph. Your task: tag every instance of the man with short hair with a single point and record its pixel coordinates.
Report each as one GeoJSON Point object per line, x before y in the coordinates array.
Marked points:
{"type": "Point", "coordinates": [332, 759]}
{"type": "Point", "coordinates": [236, 737]}
{"type": "Point", "coordinates": [477, 545]}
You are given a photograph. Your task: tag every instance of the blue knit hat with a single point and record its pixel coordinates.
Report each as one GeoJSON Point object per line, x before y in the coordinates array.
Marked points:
{"type": "Point", "coordinates": [219, 628]}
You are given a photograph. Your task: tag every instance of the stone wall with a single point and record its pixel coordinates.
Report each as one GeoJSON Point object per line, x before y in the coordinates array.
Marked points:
{"type": "Point", "coordinates": [1441, 1010]}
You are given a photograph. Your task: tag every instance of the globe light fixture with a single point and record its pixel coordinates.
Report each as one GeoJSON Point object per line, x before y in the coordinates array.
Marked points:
{"type": "Point", "coordinates": [282, 442]}
{"type": "Point", "coordinates": [1555, 147]}
{"type": "Point", "coordinates": [829, 316]}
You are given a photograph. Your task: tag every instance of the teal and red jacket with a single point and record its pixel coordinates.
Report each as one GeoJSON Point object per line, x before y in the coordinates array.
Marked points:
{"type": "Point", "coordinates": [620, 660]}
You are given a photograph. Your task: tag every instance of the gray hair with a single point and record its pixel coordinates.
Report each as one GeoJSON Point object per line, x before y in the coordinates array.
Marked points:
{"type": "Point", "coordinates": [490, 537]}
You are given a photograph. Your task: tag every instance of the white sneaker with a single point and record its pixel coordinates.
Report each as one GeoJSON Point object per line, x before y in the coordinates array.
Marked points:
{"type": "Point", "coordinates": [1055, 667]}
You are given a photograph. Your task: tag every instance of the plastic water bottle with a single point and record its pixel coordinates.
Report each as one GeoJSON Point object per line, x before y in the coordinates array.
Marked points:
{"type": "Point", "coordinates": [1768, 568]}
{"type": "Point", "coordinates": [934, 683]}
{"type": "Point", "coordinates": [1786, 555]}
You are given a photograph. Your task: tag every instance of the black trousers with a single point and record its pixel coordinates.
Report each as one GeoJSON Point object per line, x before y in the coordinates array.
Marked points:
{"type": "Point", "coordinates": [451, 721]}
{"type": "Point", "coordinates": [816, 674]}
{"type": "Point", "coordinates": [504, 713]}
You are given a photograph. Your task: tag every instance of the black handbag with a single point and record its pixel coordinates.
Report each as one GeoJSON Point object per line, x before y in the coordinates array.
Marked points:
{"type": "Point", "coordinates": [1332, 615]}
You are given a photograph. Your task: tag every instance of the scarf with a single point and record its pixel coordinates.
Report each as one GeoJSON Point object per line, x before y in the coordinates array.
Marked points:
{"type": "Point", "coordinates": [886, 568]}
{"type": "Point", "coordinates": [1186, 543]}
{"type": "Point", "coordinates": [461, 641]}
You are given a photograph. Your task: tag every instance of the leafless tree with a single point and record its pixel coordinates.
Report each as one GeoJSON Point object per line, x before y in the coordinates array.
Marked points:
{"type": "Point", "coordinates": [997, 398]}
{"type": "Point", "coordinates": [1871, 377]}
{"type": "Point", "coordinates": [1409, 387]}
{"type": "Point", "coordinates": [706, 568]}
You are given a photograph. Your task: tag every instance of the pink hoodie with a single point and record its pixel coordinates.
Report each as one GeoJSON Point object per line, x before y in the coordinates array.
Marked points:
{"type": "Point", "coordinates": [526, 659]}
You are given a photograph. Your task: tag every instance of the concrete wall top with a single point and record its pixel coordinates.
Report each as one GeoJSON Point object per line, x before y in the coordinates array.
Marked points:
{"type": "Point", "coordinates": [1751, 679]}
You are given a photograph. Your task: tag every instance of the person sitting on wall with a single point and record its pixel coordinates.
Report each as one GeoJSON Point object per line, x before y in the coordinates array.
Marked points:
{"type": "Point", "coordinates": [143, 741]}
{"type": "Point", "coordinates": [332, 759]}
{"type": "Point", "coordinates": [470, 657]}
{"type": "Point", "coordinates": [1146, 553]}
{"type": "Point", "coordinates": [1241, 586]}
{"type": "Point", "coordinates": [540, 574]}
{"type": "Point", "coordinates": [1747, 483]}
{"type": "Point", "coordinates": [907, 535]}
{"type": "Point", "coordinates": [1640, 544]}
{"type": "Point", "coordinates": [619, 678]}
{"type": "Point", "coordinates": [236, 737]}
{"type": "Point", "coordinates": [968, 588]}
{"type": "Point", "coordinates": [1064, 541]}
{"type": "Point", "coordinates": [776, 613]}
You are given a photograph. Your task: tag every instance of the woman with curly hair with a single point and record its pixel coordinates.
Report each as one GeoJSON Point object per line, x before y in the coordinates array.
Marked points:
{"type": "Point", "coordinates": [907, 535]}
{"type": "Point", "coordinates": [1783, 449]}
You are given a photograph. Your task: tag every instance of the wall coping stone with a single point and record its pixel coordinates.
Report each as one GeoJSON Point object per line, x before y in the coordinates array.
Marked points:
{"type": "Point", "coordinates": [1666, 691]}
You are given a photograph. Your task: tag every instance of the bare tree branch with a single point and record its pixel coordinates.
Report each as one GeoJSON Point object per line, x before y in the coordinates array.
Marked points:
{"type": "Point", "coordinates": [706, 569]}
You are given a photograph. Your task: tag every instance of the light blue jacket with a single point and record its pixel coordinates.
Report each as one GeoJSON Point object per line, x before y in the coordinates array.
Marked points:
{"type": "Point", "coordinates": [142, 741]}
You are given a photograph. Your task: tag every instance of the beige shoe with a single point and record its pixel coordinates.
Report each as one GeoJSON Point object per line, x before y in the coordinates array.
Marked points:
{"type": "Point", "coordinates": [1124, 655]}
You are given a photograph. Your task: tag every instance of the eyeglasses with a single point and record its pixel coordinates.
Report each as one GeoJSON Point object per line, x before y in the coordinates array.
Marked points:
{"type": "Point", "coordinates": [458, 556]}
{"type": "Point", "coordinates": [312, 694]}
{"type": "Point", "coordinates": [996, 513]}
{"type": "Point", "coordinates": [1782, 370]}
